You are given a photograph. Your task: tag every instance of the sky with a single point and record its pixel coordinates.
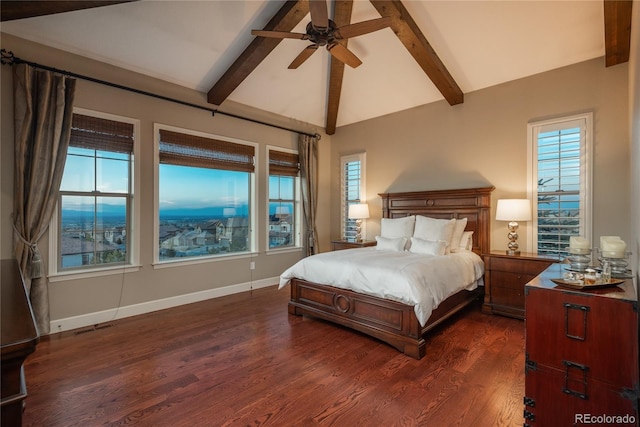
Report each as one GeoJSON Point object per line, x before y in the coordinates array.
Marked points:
{"type": "Point", "coordinates": [193, 188]}
{"type": "Point", "coordinates": [180, 187]}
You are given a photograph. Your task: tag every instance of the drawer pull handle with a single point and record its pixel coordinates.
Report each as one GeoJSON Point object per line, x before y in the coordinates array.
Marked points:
{"type": "Point", "coordinates": [568, 365]}
{"type": "Point", "coordinates": [529, 416]}
{"type": "Point", "coordinates": [576, 334]}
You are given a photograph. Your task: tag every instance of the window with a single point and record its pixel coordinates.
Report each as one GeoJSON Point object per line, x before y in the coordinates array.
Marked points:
{"type": "Point", "coordinates": [560, 181]}
{"type": "Point", "coordinates": [93, 224]}
{"type": "Point", "coordinates": [204, 196]}
{"type": "Point", "coordinates": [352, 191]}
{"type": "Point", "coordinates": [283, 227]}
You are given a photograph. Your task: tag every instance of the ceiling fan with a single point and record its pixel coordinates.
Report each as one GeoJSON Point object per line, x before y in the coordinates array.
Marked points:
{"type": "Point", "coordinates": [322, 31]}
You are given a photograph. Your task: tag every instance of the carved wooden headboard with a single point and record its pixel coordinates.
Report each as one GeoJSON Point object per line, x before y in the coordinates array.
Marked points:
{"type": "Point", "coordinates": [471, 203]}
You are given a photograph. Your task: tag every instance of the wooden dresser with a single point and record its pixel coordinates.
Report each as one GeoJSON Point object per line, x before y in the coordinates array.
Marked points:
{"type": "Point", "coordinates": [504, 280]}
{"type": "Point", "coordinates": [19, 339]}
{"type": "Point", "coordinates": [581, 352]}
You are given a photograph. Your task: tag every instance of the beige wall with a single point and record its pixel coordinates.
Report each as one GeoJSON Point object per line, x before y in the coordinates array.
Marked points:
{"type": "Point", "coordinates": [81, 297]}
{"type": "Point", "coordinates": [483, 142]}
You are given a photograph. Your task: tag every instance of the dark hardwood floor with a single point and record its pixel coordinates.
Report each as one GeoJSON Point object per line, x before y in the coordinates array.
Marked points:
{"type": "Point", "coordinates": [242, 360]}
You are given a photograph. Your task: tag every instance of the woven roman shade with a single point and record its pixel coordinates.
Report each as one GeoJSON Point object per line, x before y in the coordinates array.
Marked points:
{"type": "Point", "coordinates": [196, 151]}
{"type": "Point", "coordinates": [95, 133]}
{"type": "Point", "coordinates": [283, 164]}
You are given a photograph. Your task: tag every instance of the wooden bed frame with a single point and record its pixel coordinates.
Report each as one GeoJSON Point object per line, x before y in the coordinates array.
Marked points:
{"type": "Point", "coordinates": [392, 322]}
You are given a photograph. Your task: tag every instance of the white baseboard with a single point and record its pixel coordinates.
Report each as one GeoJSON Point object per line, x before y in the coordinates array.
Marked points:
{"type": "Point", "coordinates": [93, 319]}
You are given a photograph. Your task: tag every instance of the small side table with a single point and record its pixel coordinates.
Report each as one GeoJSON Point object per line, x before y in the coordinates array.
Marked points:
{"type": "Point", "coordinates": [338, 245]}
{"type": "Point", "coordinates": [504, 280]}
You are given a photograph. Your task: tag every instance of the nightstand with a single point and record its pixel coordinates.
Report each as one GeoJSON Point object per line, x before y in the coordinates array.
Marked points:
{"type": "Point", "coordinates": [504, 280]}
{"type": "Point", "coordinates": [337, 245]}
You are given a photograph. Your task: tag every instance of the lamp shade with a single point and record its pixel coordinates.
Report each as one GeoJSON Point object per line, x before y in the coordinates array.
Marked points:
{"type": "Point", "coordinates": [513, 210]}
{"type": "Point", "coordinates": [359, 211]}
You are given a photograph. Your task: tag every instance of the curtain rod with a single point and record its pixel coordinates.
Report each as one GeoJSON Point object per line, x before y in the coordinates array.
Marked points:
{"type": "Point", "coordinates": [8, 58]}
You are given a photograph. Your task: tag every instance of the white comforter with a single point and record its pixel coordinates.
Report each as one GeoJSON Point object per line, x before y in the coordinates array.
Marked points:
{"type": "Point", "coordinates": [423, 281]}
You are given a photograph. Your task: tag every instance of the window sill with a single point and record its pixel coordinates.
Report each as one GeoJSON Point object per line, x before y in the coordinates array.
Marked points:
{"type": "Point", "coordinates": [192, 261]}
{"type": "Point", "coordinates": [284, 250]}
{"type": "Point", "coordinates": [86, 274]}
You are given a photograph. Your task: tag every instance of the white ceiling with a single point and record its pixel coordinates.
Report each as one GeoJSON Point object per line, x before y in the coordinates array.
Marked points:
{"type": "Point", "coordinates": [192, 43]}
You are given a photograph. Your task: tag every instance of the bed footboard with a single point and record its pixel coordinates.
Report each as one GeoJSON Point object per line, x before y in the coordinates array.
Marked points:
{"type": "Point", "coordinates": [391, 322]}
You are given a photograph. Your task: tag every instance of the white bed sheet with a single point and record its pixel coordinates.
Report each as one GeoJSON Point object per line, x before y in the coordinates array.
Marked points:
{"type": "Point", "coordinates": [422, 281]}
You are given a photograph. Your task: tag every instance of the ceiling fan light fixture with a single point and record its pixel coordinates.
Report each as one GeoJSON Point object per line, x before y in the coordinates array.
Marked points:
{"type": "Point", "coordinates": [321, 36]}
{"type": "Point", "coordinates": [322, 31]}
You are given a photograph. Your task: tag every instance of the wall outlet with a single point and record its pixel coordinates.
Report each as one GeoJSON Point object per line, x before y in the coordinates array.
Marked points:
{"type": "Point", "coordinates": [252, 265]}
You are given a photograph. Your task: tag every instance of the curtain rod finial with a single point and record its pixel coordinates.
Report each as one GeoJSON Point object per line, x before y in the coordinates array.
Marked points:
{"type": "Point", "coordinates": [7, 57]}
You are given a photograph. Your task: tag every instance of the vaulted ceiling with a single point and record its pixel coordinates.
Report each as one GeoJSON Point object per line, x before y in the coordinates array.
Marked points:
{"type": "Point", "coordinates": [432, 50]}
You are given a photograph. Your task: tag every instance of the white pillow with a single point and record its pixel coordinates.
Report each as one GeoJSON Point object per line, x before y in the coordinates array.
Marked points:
{"type": "Point", "coordinates": [387, 244]}
{"type": "Point", "coordinates": [428, 247]}
{"type": "Point", "coordinates": [458, 229]}
{"type": "Point", "coordinates": [435, 229]}
{"type": "Point", "coordinates": [466, 242]}
{"type": "Point", "coordinates": [392, 228]}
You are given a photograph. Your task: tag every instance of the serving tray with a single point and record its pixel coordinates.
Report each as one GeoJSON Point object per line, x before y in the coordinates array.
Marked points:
{"type": "Point", "coordinates": [582, 286]}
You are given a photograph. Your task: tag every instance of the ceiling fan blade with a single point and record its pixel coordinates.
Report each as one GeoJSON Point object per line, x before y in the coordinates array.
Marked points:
{"type": "Point", "coordinates": [343, 54]}
{"type": "Point", "coordinates": [279, 34]}
{"type": "Point", "coordinates": [363, 27]}
{"type": "Point", "coordinates": [319, 14]}
{"type": "Point", "coordinates": [303, 56]}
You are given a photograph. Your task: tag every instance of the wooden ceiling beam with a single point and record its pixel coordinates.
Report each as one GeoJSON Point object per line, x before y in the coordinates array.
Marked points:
{"type": "Point", "coordinates": [289, 15]}
{"type": "Point", "coordinates": [617, 31]}
{"type": "Point", "coordinates": [21, 9]}
{"type": "Point", "coordinates": [416, 43]}
{"type": "Point", "coordinates": [342, 16]}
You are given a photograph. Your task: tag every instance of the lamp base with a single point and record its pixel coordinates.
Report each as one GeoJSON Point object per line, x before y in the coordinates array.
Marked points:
{"type": "Point", "coordinates": [513, 239]}
{"type": "Point", "coordinates": [358, 230]}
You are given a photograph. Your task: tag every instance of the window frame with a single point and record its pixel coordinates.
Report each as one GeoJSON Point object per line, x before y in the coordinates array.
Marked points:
{"type": "Point", "coordinates": [344, 201]}
{"type": "Point", "coordinates": [57, 274]}
{"type": "Point", "coordinates": [585, 122]}
{"type": "Point", "coordinates": [297, 215]}
{"type": "Point", "coordinates": [253, 190]}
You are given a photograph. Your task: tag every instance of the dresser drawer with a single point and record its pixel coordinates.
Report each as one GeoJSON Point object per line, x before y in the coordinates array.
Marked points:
{"type": "Point", "coordinates": [553, 398]}
{"type": "Point", "coordinates": [585, 330]}
{"type": "Point", "coordinates": [507, 291]}
{"type": "Point", "coordinates": [505, 279]}
{"type": "Point", "coordinates": [521, 266]}
{"type": "Point", "coordinates": [508, 297]}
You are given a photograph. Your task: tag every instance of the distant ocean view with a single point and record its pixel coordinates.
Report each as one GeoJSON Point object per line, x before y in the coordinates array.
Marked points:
{"type": "Point", "coordinates": [112, 212]}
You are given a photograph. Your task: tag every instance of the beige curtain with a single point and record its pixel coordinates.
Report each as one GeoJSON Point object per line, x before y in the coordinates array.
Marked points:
{"type": "Point", "coordinates": [43, 109]}
{"type": "Point", "coordinates": [308, 152]}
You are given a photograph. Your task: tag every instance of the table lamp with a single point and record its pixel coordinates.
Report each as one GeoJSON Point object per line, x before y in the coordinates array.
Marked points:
{"type": "Point", "coordinates": [513, 210]}
{"type": "Point", "coordinates": [359, 211]}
